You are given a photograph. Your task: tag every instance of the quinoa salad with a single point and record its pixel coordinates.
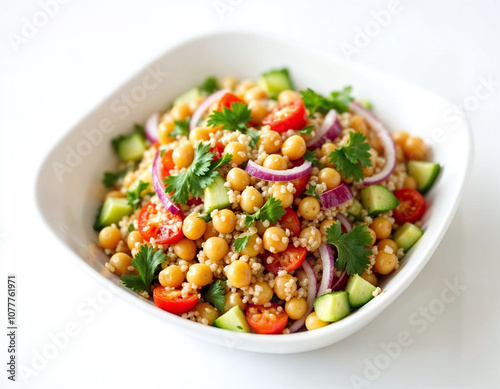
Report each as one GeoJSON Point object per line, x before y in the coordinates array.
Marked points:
{"type": "Point", "coordinates": [254, 207]}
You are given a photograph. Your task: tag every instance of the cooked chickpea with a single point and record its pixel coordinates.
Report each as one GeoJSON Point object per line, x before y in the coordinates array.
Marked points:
{"type": "Point", "coordinates": [301, 276]}
{"type": "Point", "coordinates": [330, 177]}
{"type": "Point", "coordinates": [238, 151]}
{"type": "Point", "coordinates": [265, 293]}
{"type": "Point", "coordinates": [415, 148]}
{"type": "Point", "coordinates": [233, 299]}
{"type": "Point", "coordinates": [275, 240]}
{"type": "Point", "coordinates": [400, 137]}
{"type": "Point", "coordinates": [359, 124]}
{"type": "Point", "coordinates": [239, 274]}
{"type": "Point", "coordinates": [254, 93]}
{"type": "Point", "coordinates": [238, 179]}
{"type": "Point", "coordinates": [287, 95]}
{"type": "Point", "coordinates": [185, 249]}
{"type": "Point", "coordinates": [133, 238]}
{"type": "Point", "coordinates": [193, 227]}
{"type": "Point", "coordinates": [385, 263]}
{"type": "Point", "coordinates": [382, 227]}
{"type": "Point", "coordinates": [172, 276]}
{"type": "Point", "coordinates": [251, 200]}
{"type": "Point", "coordinates": [210, 231]}
{"type": "Point", "coordinates": [296, 307]}
{"type": "Point", "coordinates": [121, 263]}
{"type": "Point", "coordinates": [275, 162]}
{"type": "Point", "coordinates": [109, 237]}
{"type": "Point", "coordinates": [371, 278]}
{"type": "Point", "coordinates": [215, 248]}
{"type": "Point", "coordinates": [271, 141]}
{"type": "Point", "coordinates": [224, 221]}
{"type": "Point", "coordinates": [228, 82]}
{"type": "Point", "coordinates": [200, 133]}
{"type": "Point", "coordinates": [206, 311]}
{"type": "Point", "coordinates": [244, 85]}
{"type": "Point", "coordinates": [164, 129]}
{"type": "Point", "coordinates": [373, 235]}
{"type": "Point", "coordinates": [285, 286]}
{"type": "Point", "coordinates": [325, 225]}
{"type": "Point", "coordinates": [327, 149]}
{"type": "Point", "coordinates": [387, 242]}
{"type": "Point", "coordinates": [258, 110]}
{"type": "Point", "coordinates": [410, 182]}
{"type": "Point", "coordinates": [183, 155]}
{"type": "Point", "coordinates": [313, 322]}
{"type": "Point", "coordinates": [294, 147]}
{"type": "Point", "coordinates": [195, 102]}
{"type": "Point", "coordinates": [280, 192]}
{"type": "Point", "coordinates": [199, 274]}
{"type": "Point", "coordinates": [253, 248]}
{"type": "Point", "coordinates": [312, 237]}
{"type": "Point", "coordinates": [309, 208]}
{"type": "Point", "coordinates": [180, 111]}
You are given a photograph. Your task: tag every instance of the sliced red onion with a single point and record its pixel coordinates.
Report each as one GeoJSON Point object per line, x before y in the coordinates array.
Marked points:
{"type": "Point", "coordinates": [340, 283]}
{"type": "Point", "coordinates": [336, 196]}
{"type": "Point", "coordinates": [330, 129]}
{"type": "Point", "coordinates": [151, 127]}
{"type": "Point", "coordinates": [160, 187]}
{"type": "Point", "coordinates": [328, 260]}
{"type": "Point", "coordinates": [386, 139]}
{"type": "Point", "coordinates": [311, 295]}
{"type": "Point", "coordinates": [204, 106]}
{"type": "Point", "coordinates": [266, 174]}
{"type": "Point", "coordinates": [346, 223]}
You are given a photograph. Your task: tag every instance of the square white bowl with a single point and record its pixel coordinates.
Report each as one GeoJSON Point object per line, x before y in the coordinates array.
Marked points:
{"type": "Point", "coordinates": [69, 188]}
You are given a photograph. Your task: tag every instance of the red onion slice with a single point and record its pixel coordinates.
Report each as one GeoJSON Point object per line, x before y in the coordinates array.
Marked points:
{"type": "Point", "coordinates": [346, 223]}
{"type": "Point", "coordinates": [340, 283]}
{"type": "Point", "coordinates": [311, 295]}
{"type": "Point", "coordinates": [330, 129]}
{"type": "Point", "coordinates": [266, 174]}
{"type": "Point", "coordinates": [151, 127]}
{"type": "Point", "coordinates": [386, 139]}
{"type": "Point", "coordinates": [204, 106]}
{"type": "Point", "coordinates": [328, 260]}
{"type": "Point", "coordinates": [160, 187]}
{"type": "Point", "coordinates": [336, 196]}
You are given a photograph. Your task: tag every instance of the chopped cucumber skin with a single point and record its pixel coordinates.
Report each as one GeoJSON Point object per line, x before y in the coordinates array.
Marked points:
{"type": "Point", "coordinates": [407, 235]}
{"type": "Point", "coordinates": [425, 173]}
{"type": "Point", "coordinates": [186, 97]}
{"type": "Point", "coordinates": [275, 81]}
{"type": "Point", "coordinates": [112, 211]}
{"type": "Point", "coordinates": [131, 148]}
{"type": "Point", "coordinates": [215, 196]}
{"type": "Point", "coordinates": [233, 320]}
{"type": "Point", "coordinates": [360, 291]}
{"type": "Point", "coordinates": [332, 306]}
{"type": "Point", "coordinates": [378, 199]}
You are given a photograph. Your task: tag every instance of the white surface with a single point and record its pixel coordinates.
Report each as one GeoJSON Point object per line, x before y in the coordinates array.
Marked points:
{"type": "Point", "coordinates": [88, 48]}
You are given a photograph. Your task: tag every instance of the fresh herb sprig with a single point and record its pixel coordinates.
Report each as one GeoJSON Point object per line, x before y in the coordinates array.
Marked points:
{"type": "Point", "coordinates": [181, 127]}
{"type": "Point", "coordinates": [311, 157]}
{"type": "Point", "coordinates": [210, 85]}
{"type": "Point", "coordinates": [134, 196]}
{"type": "Point", "coordinates": [216, 295]}
{"type": "Point", "coordinates": [110, 179]}
{"type": "Point", "coordinates": [338, 100]}
{"type": "Point", "coordinates": [241, 243]}
{"type": "Point", "coordinates": [353, 157]}
{"type": "Point", "coordinates": [272, 211]}
{"type": "Point", "coordinates": [145, 261]}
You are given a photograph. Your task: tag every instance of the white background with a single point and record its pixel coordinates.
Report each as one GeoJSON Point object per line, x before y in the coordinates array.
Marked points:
{"type": "Point", "coordinates": [88, 48]}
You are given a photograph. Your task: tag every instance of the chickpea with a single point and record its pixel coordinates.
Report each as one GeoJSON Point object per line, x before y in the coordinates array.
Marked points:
{"type": "Point", "coordinates": [325, 225]}
{"type": "Point", "coordinates": [382, 227]}
{"type": "Point", "coordinates": [109, 237]}
{"type": "Point", "coordinates": [415, 148]}
{"type": "Point", "coordinates": [371, 278]}
{"type": "Point", "coordinates": [359, 125]}
{"type": "Point", "coordinates": [172, 276]}
{"type": "Point", "coordinates": [385, 263]}
{"type": "Point", "coordinates": [259, 111]}
{"type": "Point", "coordinates": [327, 149]}
{"type": "Point", "coordinates": [215, 248]}
{"type": "Point", "coordinates": [239, 274]}
{"type": "Point", "coordinates": [233, 299]}
{"type": "Point", "coordinates": [285, 286]}
{"type": "Point", "coordinates": [253, 248]}
{"type": "Point", "coordinates": [280, 192]}
{"type": "Point", "coordinates": [271, 141]}
{"type": "Point", "coordinates": [180, 111]}
{"type": "Point", "coordinates": [164, 129]}
{"type": "Point", "coordinates": [193, 227]}
{"type": "Point", "coordinates": [410, 182]}
{"type": "Point", "coordinates": [238, 151]}
{"type": "Point", "coordinates": [275, 240]}
{"type": "Point", "coordinates": [206, 311]}
{"type": "Point", "coordinates": [373, 235]}
{"type": "Point", "coordinates": [228, 82]}
{"type": "Point", "coordinates": [133, 238]}
{"type": "Point", "coordinates": [200, 133]}
{"type": "Point", "coordinates": [199, 274]}
{"type": "Point", "coordinates": [301, 276]}
{"type": "Point", "coordinates": [309, 208]}
{"type": "Point", "coordinates": [210, 231]}
{"type": "Point", "coordinates": [185, 249]}
{"type": "Point", "coordinates": [254, 93]}
{"type": "Point", "coordinates": [224, 221]}
{"type": "Point", "coordinates": [275, 162]}
{"type": "Point", "coordinates": [330, 177]}
{"type": "Point", "coordinates": [251, 200]}
{"type": "Point", "coordinates": [287, 95]}
{"type": "Point", "coordinates": [294, 147]}
{"type": "Point", "coordinates": [121, 262]}
{"type": "Point", "coordinates": [238, 179]}
{"type": "Point", "coordinates": [296, 308]}
{"type": "Point", "coordinates": [183, 155]}
{"type": "Point", "coordinates": [244, 85]}
{"type": "Point", "coordinates": [114, 194]}
{"type": "Point", "coordinates": [194, 103]}
{"type": "Point", "coordinates": [265, 293]}
{"type": "Point", "coordinates": [400, 137]}
{"type": "Point", "coordinates": [312, 237]}
{"type": "Point", "coordinates": [400, 154]}
{"type": "Point", "coordinates": [313, 322]}
{"type": "Point", "coordinates": [387, 242]}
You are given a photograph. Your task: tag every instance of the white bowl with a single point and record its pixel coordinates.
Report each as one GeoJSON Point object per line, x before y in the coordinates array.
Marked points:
{"type": "Point", "coordinates": [69, 186]}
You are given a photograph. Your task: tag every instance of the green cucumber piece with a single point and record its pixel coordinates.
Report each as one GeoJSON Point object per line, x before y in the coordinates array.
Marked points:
{"type": "Point", "coordinates": [407, 235]}
{"type": "Point", "coordinates": [356, 208]}
{"type": "Point", "coordinates": [378, 199]}
{"type": "Point", "coordinates": [233, 320]}
{"type": "Point", "coordinates": [112, 211]}
{"type": "Point", "coordinates": [425, 173]}
{"type": "Point", "coordinates": [146, 176]}
{"type": "Point", "coordinates": [360, 291]}
{"type": "Point", "coordinates": [332, 306]}
{"type": "Point", "coordinates": [130, 148]}
{"type": "Point", "coordinates": [186, 97]}
{"type": "Point", "coordinates": [215, 196]}
{"type": "Point", "coordinates": [366, 104]}
{"type": "Point", "coordinates": [275, 81]}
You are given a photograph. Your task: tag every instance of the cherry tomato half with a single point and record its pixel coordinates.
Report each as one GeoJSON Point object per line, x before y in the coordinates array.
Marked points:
{"type": "Point", "coordinates": [262, 322]}
{"type": "Point", "coordinates": [218, 149]}
{"type": "Point", "coordinates": [164, 226]}
{"type": "Point", "coordinates": [300, 183]}
{"type": "Point", "coordinates": [227, 100]}
{"type": "Point", "coordinates": [167, 163]}
{"type": "Point", "coordinates": [411, 206]}
{"type": "Point", "coordinates": [172, 300]}
{"type": "Point", "coordinates": [291, 221]}
{"type": "Point", "coordinates": [288, 260]}
{"type": "Point", "coordinates": [289, 116]}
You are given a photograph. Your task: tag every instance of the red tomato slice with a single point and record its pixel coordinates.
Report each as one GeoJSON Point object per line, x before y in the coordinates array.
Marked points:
{"type": "Point", "coordinates": [162, 226]}
{"type": "Point", "coordinates": [300, 183]}
{"type": "Point", "coordinates": [167, 163]}
{"type": "Point", "coordinates": [218, 149]}
{"type": "Point", "coordinates": [194, 201]}
{"type": "Point", "coordinates": [289, 116]}
{"type": "Point", "coordinates": [227, 100]}
{"type": "Point", "coordinates": [262, 322]}
{"type": "Point", "coordinates": [172, 300]}
{"type": "Point", "coordinates": [288, 260]}
{"type": "Point", "coordinates": [291, 221]}
{"type": "Point", "coordinates": [411, 206]}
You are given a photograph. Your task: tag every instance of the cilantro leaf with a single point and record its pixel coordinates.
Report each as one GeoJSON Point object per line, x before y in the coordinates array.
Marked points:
{"type": "Point", "coordinates": [351, 158]}
{"type": "Point", "coordinates": [131, 227]}
{"type": "Point", "coordinates": [134, 196]}
{"type": "Point", "coordinates": [241, 243]}
{"type": "Point", "coordinates": [232, 119]}
{"type": "Point", "coordinates": [109, 179]}
{"type": "Point", "coordinates": [338, 100]}
{"type": "Point", "coordinates": [181, 127]}
{"type": "Point", "coordinates": [311, 157]}
{"type": "Point", "coordinates": [216, 295]}
{"type": "Point", "coordinates": [307, 130]}
{"type": "Point", "coordinates": [255, 135]}
{"type": "Point", "coordinates": [145, 261]}
{"type": "Point", "coordinates": [210, 85]}
{"type": "Point", "coordinates": [311, 191]}
{"type": "Point", "coordinates": [272, 211]}
{"type": "Point", "coordinates": [352, 254]}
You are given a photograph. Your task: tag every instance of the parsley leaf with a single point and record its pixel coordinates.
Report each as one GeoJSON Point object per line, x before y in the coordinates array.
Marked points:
{"type": "Point", "coordinates": [181, 127]}
{"type": "Point", "coordinates": [311, 157]}
{"type": "Point", "coordinates": [241, 243]}
{"type": "Point", "coordinates": [311, 191]}
{"type": "Point", "coordinates": [216, 295]}
{"type": "Point", "coordinates": [145, 261]}
{"type": "Point", "coordinates": [255, 135]}
{"type": "Point", "coordinates": [131, 227]}
{"type": "Point", "coordinates": [210, 85]}
{"type": "Point", "coordinates": [232, 119]}
{"type": "Point", "coordinates": [352, 254]}
{"type": "Point", "coordinates": [351, 158]}
{"type": "Point", "coordinates": [109, 179]}
{"type": "Point", "coordinates": [307, 130]}
{"type": "Point", "coordinates": [339, 101]}
{"type": "Point", "coordinates": [272, 211]}
{"type": "Point", "coordinates": [134, 196]}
